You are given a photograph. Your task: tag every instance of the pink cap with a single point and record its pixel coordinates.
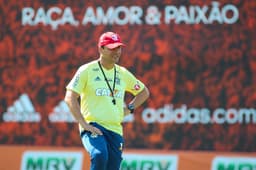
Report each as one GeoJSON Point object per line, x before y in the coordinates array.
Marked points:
{"type": "Point", "coordinates": [110, 40]}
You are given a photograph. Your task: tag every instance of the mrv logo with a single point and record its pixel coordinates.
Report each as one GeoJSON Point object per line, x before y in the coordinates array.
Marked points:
{"type": "Point", "coordinates": [42, 160]}
{"type": "Point", "coordinates": [234, 163]}
{"type": "Point", "coordinates": [146, 162]}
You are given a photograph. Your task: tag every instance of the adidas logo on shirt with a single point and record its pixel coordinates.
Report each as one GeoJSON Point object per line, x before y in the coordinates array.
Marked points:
{"type": "Point", "coordinates": [22, 110]}
{"type": "Point", "coordinates": [61, 113]}
{"type": "Point", "coordinates": [97, 79]}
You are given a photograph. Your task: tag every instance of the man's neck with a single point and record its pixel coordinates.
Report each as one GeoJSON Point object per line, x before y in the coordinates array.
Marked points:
{"type": "Point", "coordinates": [107, 65]}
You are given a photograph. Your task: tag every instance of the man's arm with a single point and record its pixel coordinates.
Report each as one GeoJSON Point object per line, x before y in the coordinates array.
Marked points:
{"type": "Point", "coordinates": [71, 98]}
{"type": "Point", "coordinates": [138, 100]}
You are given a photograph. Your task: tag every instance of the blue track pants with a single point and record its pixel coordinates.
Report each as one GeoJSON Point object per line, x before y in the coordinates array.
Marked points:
{"type": "Point", "coordinates": [105, 150]}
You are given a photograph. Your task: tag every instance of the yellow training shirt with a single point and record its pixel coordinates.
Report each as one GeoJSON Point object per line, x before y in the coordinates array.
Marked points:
{"type": "Point", "coordinates": [95, 95]}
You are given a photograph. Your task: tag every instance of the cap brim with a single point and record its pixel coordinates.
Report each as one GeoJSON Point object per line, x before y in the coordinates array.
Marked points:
{"type": "Point", "coordinates": [114, 45]}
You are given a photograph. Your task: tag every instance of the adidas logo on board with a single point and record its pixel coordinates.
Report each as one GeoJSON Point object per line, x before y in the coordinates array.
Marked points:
{"type": "Point", "coordinates": [61, 113]}
{"type": "Point", "coordinates": [22, 110]}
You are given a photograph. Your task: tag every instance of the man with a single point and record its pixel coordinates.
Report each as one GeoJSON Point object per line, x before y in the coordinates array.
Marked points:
{"type": "Point", "coordinates": [101, 85]}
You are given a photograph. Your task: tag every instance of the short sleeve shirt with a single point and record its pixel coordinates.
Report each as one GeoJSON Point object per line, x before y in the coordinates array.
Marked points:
{"type": "Point", "coordinates": [96, 97]}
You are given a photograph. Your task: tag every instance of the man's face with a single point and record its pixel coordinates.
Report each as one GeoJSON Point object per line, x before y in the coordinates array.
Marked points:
{"type": "Point", "coordinates": [111, 55]}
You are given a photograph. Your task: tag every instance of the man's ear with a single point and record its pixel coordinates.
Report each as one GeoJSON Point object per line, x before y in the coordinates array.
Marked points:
{"type": "Point", "coordinates": [101, 49]}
